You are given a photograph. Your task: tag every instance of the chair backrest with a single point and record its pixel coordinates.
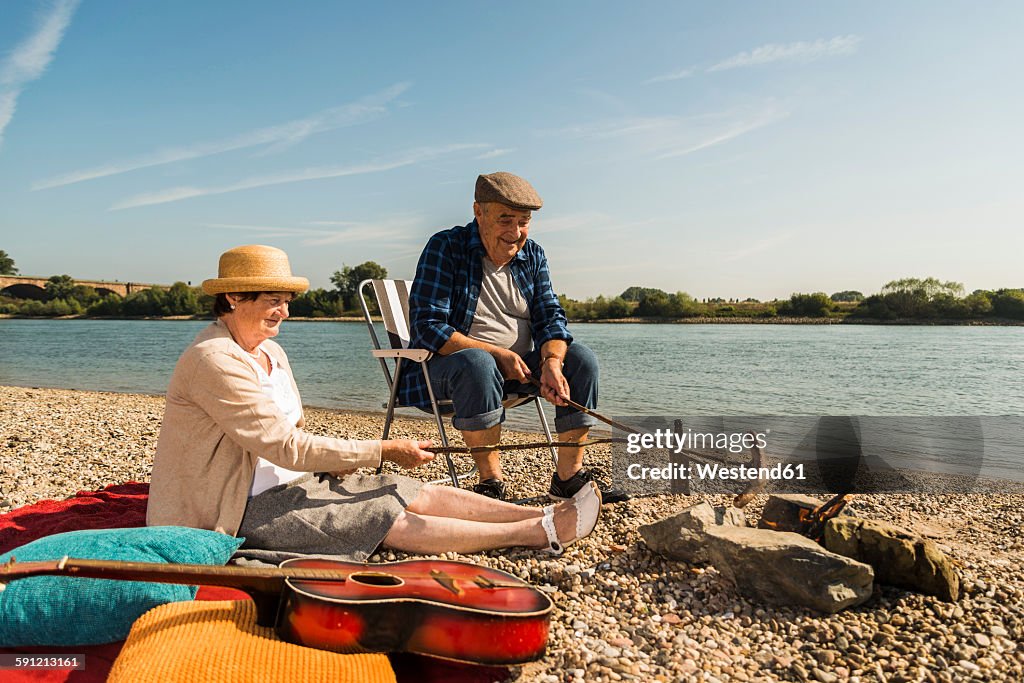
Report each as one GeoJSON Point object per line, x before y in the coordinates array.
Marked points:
{"type": "Point", "coordinates": [392, 298]}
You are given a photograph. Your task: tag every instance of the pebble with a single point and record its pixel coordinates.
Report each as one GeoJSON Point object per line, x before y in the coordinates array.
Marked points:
{"type": "Point", "coordinates": [621, 612]}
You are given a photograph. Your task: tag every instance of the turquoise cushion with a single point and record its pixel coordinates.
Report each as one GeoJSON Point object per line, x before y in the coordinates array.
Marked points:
{"type": "Point", "coordinates": [60, 610]}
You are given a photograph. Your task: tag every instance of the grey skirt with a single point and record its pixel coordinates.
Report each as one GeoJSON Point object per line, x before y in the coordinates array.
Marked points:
{"type": "Point", "coordinates": [318, 514]}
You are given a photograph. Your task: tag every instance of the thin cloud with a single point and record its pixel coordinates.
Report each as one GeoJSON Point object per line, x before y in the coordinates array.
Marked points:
{"type": "Point", "coordinates": [733, 131]}
{"type": "Point", "coordinates": [666, 137]}
{"type": "Point", "coordinates": [29, 60]}
{"type": "Point", "coordinates": [801, 51]}
{"type": "Point", "coordinates": [175, 194]}
{"type": "Point", "coordinates": [584, 220]}
{"type": "Point", "coordinates": [619, 128]}
{"type": "Point", "coordinates": [275, 137]}
{"type": "Point", "coordinates": [791, 52]}
{"type": "Point", "coordinates": [351, 232]}
{"type": "Point", "coordinates": [500, 152]}
{"type": "Point", "coordinates": [757, 247]}
{"type": "Point", "coordinates": [674, 76]}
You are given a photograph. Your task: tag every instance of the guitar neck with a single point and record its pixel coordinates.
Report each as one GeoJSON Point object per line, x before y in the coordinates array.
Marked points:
{"type": "Point", "coordinates": [264, 581]}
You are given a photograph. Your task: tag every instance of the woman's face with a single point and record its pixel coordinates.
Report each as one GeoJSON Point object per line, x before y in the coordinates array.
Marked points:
{"type": "Point", "coordinates": [261, 317]}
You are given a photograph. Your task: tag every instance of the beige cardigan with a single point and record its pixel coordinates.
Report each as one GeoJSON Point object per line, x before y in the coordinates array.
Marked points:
{"type": "Point", "coordinates": [217, 424]}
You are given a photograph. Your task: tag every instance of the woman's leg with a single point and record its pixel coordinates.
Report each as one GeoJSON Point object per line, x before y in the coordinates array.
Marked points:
{"type": "Point", "coordinates": [447, 501]}
{"type": "Point", "coordinates": [427, 534]}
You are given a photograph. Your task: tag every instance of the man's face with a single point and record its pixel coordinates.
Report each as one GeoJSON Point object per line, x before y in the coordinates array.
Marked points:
{"type": "Point", "coordinates": [503, 230]}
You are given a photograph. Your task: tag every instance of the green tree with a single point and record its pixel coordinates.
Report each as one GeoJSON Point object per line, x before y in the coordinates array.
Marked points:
{"type": "Point", "coordinates": [146, 302]}
{"type": "Point", "coordinates": [816, 305]}
{"type": "Point", "coordinates": [59, 287]}
{"type": "Point", "coordinates": [927, 288]}
{"type": "Point", "coordinates": [847, 295]}
{"type": "Point", "coordinates": [108, 305]}
{"type": "Point", "coordinates": [7, 264]}
{"type": "Point", "coordinates": [316, 303]}
{"type": "Point", "coordinates": [348, 278]}
{"type": "Point", "coordinates": [181, 299]}
{"type": "Point", "coordinates": [1009, 303]}
{"type": "Point", "coordinates": [653, 305]}
{"type": "Point", "coordinates": [84, 294]}
{"type": "Point", "coordinates": [639, 293]}
{"type": "Point", "coordinates": [618, 308]}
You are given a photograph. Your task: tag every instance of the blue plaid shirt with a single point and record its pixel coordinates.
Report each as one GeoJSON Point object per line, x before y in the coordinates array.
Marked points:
{"type": "Point", "coordinates": [446, 290]}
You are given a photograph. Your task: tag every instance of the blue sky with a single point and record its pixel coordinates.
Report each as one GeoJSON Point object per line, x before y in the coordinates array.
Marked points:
{"type": "Point", "coordinates": [722, 149]}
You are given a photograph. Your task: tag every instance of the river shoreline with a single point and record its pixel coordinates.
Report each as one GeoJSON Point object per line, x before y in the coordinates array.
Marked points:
{"type": "Point", "coordinates": [622, 612]}
{"type": "Point", "coordinates": [704, 320]}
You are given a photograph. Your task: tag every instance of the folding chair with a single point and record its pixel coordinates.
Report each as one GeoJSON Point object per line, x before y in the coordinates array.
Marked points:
{"type": "Point", "coordinates": [392, 297]}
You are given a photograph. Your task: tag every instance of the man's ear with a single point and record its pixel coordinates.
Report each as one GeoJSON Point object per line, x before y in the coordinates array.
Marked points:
{"type": "Point", "coordinates": [478, 210]}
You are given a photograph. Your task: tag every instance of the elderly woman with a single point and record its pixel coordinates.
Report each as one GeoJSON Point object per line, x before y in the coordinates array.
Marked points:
{"type": "Point", "coordinates": [233, 457]}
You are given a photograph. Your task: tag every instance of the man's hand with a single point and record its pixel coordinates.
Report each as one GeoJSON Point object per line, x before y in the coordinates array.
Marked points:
{"type": "Point", "coordinates": [405, 453]}
{"type": "Point", "coordinates": [553, 385]}
{"type": "Point", "coordinates": [510, 365]}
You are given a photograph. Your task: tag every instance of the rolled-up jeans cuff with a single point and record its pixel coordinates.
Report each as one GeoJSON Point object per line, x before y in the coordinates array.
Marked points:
{"type": "Point", "coordinates": [565, 423]}
{"type": "Point", "coordinates": [475, 423]}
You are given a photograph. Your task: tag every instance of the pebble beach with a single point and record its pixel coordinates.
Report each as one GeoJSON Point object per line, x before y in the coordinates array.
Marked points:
{"type": "Point", "coordinates": [623, 612]}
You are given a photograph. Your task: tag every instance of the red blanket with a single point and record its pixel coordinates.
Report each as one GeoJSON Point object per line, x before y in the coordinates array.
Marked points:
{"type": "Point", "coordinates": [124, 505]}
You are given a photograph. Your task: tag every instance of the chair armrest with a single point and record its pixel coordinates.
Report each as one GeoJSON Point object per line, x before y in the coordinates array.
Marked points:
{"type": "Point", "coordinates": [417, 355]}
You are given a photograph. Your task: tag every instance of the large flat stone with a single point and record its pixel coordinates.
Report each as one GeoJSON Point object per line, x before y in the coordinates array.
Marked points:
{"type": "Point", "coordinates": [784, 568]}
{"type": "Point", "coordinates": [772, 567]}
{"type": "Point", "coordinates": [683, 536]}
{"type": "Point", "coordinates": [899, 557]}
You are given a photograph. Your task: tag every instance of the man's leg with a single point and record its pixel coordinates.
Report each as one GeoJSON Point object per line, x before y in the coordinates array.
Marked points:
{"type": "Point", "coordinates": [471, 380]}
{"type": "Point", "coordinates": [570, 459]}
{"type": "Point", "coordinates": [486, 461]}
{"type": "Point", "coordinates": [581, 371]}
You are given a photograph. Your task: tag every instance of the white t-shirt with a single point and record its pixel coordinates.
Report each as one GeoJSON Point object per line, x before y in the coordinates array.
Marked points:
{"type": "Point", "coordinates": [502, 313]}
{"type": "Point", "coordinates": [278, 388]}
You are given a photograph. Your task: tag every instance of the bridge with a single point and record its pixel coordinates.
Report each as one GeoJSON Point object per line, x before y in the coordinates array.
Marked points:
{"type": "Point", "coordinates": [24, 287]}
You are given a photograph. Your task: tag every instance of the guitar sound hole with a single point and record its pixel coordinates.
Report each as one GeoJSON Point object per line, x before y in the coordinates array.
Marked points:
{"type": "Point", "coordinates": [376, 579]}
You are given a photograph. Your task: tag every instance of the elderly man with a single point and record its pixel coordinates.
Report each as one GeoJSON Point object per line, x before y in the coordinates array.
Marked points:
{"type": "Point", "coordinates": [482, 301]}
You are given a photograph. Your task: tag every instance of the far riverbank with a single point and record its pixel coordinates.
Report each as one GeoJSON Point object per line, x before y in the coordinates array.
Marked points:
{"type": "Point", "coordinates": [702, 320]}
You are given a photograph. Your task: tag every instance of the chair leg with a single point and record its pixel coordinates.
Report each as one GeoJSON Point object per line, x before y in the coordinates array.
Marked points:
{"type": "Point", "coordinates": [390, 416]}
{"type": "Point", "coordinates": [453, 472]}
{"type": "Point", "coordinates": [547, 431]}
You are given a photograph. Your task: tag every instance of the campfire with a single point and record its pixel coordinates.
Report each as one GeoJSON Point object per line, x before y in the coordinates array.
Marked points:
{"type": "Point", "coordinates": [802, 517]}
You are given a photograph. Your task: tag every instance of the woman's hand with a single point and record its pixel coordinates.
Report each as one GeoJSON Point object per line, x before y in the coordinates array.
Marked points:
{"type": "Point", "coordinates": [405, 453]}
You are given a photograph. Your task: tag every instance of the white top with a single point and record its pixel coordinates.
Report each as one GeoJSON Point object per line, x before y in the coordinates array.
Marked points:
{"type": "Point", "coordinates": [277, 387]}
{"type": "Point", "coordinates": [502, 313]}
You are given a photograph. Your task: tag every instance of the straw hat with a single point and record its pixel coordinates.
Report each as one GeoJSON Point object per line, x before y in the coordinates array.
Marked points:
{"type": "Point", "coordinates": [254, 268]}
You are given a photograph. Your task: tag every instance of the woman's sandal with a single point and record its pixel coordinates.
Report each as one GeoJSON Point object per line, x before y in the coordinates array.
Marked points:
{"type": "Point", "coordinates": [587, 502]}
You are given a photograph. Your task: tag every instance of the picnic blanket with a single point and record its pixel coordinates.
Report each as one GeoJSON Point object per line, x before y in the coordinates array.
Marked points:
{"type": "Point", "coordinates": [124, 505]}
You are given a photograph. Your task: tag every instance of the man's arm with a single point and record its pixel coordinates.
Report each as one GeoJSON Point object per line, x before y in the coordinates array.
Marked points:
{"type": "Point", "coordinates": [547, 318]}
{"type": "Point", "coordinates": [553, 385]}
{"type": "Point", "coordinates": [430, 296]}
{"type": "Point", "coordinates": [550, 331]}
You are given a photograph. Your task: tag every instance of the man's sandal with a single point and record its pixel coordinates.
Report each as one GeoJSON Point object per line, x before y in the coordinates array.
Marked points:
{"type": "Point", "coordinates": [587, 502]}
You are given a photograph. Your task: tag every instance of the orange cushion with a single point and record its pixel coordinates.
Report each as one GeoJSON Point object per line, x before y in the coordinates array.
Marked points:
{"type": "Point", "coordinates": [205, 642]}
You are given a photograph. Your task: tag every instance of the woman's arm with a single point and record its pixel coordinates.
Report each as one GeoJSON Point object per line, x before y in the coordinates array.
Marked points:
{"type": "Point", "coordinates": [226, 389]}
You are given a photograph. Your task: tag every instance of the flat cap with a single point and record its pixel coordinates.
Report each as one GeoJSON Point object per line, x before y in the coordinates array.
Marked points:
{"type": "Point", "coordinates": [507, 189]}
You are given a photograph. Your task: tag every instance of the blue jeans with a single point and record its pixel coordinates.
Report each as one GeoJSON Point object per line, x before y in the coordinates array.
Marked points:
{"type": "Point", "coordinates": [471, 380]}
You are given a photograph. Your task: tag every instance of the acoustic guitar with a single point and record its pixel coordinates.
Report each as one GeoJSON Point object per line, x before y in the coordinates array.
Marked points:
{"type": "Point", "coordinates": [452, 610]}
